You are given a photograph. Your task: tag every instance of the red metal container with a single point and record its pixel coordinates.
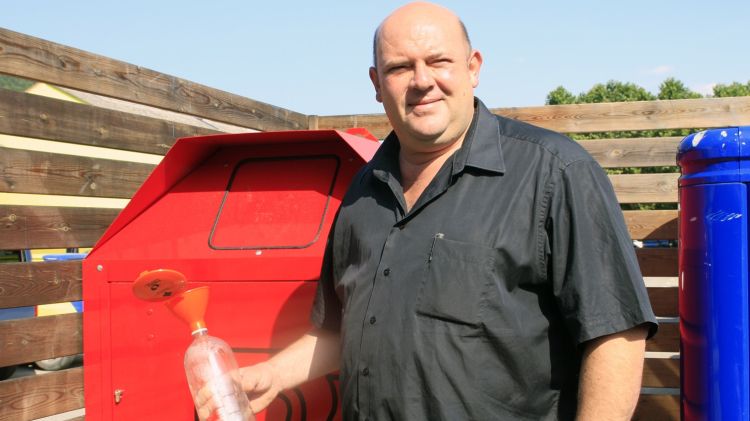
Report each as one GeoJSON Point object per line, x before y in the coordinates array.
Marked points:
{"type": "Point", "coordinates": [247, 215]}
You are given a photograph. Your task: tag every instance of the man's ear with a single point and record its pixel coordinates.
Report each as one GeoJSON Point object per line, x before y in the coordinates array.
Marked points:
{"type": "Point", "coordinates": [375, 83]}
{"type": "Point", "coordinates": [475, 64]}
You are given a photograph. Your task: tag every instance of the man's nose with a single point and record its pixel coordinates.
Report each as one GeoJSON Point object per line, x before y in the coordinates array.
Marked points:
{"type": "Point", "coordinates": [422, 78]}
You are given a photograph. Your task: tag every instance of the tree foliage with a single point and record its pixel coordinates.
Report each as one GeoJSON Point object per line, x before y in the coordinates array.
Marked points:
{"type": "Point", "coordinates": [675, 89]}
{"type": "Point", "coordinates": [733, 89]}
{"type": "Point", "coordinates": [612, 91]}
{"type": "Point", "coordinates": [560, 96]}
{"type": "Point", "coordinates": [14, 83]}
{"type": "Point", "coordinates": [615, 91]}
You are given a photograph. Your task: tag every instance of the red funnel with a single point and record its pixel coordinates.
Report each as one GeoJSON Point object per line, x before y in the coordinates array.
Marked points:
{"type": "Point", "coordinates": [190, 307]}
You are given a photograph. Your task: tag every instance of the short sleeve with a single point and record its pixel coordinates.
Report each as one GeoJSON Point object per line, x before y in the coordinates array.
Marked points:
{"type": "Point", "coordinates": [590, 257]}
{"type": "Point", "coordinates": [326, 309]}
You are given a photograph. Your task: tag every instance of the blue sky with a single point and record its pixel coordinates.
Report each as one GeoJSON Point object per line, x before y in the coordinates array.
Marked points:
{"type": "Point", "coordinates": [312, 57]}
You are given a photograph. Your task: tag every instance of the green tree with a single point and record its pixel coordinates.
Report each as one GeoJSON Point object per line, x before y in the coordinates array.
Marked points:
{"type": "Point", "coordinates": [672, 88]}
{"type": "Point", "coordinates": [615, 91]}
{"type": "Point", "coordinates": [14, 83]}
{"type": "Point", "coordinates": [733, 89]}
{"type": "Point", "coordinates": [560, 96]}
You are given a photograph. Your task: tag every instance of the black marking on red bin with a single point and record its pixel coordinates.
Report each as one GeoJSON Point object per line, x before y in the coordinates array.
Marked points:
{"type": "Point", "coordinates": [288, 405]}
{"type": "Point", "coordinates": [332, 379]}
{"type": "Point", "coordinates": [302, 403]}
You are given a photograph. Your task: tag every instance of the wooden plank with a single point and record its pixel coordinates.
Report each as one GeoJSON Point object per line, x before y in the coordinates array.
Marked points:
{"type": "Point", "coordinates": [652, 224]}
{"type": "Point", "coordinates": [31, 227]}
{"type": "Point", "coordinates": [657, 261]}
{"type": "Point", "coordinates": [45, 227]}
{"type": "Point", "coordinates": [377, 124]}
{"type": "Point", "coordinates": [661, 372]}
{"type": "Point", "coordinates": [28, 284]}
{"type": "Point", "coordinates": [667, 339]}
{"type": "Point", "coordinates": [664, 301]}
{"type": "Point", "coordinates": [657, 408]}
{"type": "Point", "coordinates": [32, 397]}
{"type": "Point", "coordinates": [645, 188]}
{"type": "Point", "coordinates": [637, 152]}
{"type": "Point", "coordinates": [590, 118]}
{"type": "Point", "coordinates": [25, 171]}
{"type": "Point", "coordinates": [39, 338]}
{"type": "Point", "coordinates": [46, 118]}
{"type": "Point", "coordinates": [38, 59]}
{"type": "Point", "coordinates": [640, 115]}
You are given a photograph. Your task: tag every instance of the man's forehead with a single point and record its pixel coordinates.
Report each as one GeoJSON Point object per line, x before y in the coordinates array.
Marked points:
{"type": "Point", "coordinates": [420, 11]}
{"type": "Point", "coordinates": [398, 49]}
{"type": "Point", "coordinates": [407, 50]}
{"type": "Point", "coordinates": [419, 26]}
{"type": "Point", "coordinates": [423, 26]}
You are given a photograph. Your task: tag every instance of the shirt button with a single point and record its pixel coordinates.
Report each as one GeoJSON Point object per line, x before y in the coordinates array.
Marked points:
{"type": "Point", "coordinates": [373, 320]}
{"type": "Point", "coordinates": [387, 272]}
{"type": "Point", "coordinates": [365, 371]}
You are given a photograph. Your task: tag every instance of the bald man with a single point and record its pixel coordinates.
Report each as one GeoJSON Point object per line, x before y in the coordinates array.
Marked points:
{"type": "Point", "coordinates": [479, 268]}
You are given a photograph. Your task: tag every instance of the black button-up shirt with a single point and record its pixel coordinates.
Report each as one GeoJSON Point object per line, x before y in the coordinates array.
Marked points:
{"type": "Point", "coordinates": [473, 304]}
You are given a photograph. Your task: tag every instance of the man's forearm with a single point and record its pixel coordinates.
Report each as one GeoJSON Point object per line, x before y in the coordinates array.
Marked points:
{"type": "Point", "coordinates": [611, 372]}
{"type": "Point", "coordinates": [313, 355]}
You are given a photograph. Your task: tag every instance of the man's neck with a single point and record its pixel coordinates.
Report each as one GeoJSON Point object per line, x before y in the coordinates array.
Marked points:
{"type": "Point", "coordinates": [418, 168]}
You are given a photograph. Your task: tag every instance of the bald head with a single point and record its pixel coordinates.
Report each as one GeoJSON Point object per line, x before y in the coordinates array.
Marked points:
{"type": "Point", "coordinates": [417, 12]}
{"type": "Point", "coordinates": [424, 73]}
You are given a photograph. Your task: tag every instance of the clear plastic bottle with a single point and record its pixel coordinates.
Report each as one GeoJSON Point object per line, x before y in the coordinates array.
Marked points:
{"type": "Point", "coordinates": [210, 362]}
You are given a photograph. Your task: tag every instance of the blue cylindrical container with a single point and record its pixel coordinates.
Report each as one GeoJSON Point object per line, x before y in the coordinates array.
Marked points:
{"type": "Point", "coordinates": [713, 275]}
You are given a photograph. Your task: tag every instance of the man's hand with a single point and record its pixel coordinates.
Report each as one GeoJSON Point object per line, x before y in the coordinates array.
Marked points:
{"type": "Point", "coordinates": [262, 384]}
{"type": "Point", "coordinates": [311, 356]}
{"type": "Point", "coordinates": [259, 382]}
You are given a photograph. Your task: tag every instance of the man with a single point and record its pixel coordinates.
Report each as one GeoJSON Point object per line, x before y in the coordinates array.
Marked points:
{"type": "Point", "coordinates": [479, 268]}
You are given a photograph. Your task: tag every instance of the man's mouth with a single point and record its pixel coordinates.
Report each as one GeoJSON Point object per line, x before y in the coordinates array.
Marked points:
{"type": "Point", "coordinates": [424, 102]}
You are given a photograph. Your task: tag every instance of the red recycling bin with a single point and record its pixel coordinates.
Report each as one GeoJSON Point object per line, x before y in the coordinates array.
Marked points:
{"type": "Point", "coordinates": [247, 215]}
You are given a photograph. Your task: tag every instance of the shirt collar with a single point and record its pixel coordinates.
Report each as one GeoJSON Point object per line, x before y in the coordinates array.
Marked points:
{"type": "Point", "coordinates": [480, 149]}
{"type": "Point", "coordinates": [384, 164]}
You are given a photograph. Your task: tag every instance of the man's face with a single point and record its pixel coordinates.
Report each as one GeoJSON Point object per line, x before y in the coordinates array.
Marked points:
{"type": "Point", "coordinates": [425, 78]}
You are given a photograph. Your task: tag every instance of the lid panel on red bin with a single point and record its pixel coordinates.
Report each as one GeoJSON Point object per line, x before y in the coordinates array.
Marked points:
{"type": "Point", "coordinates": [252, 207]}
{"type": "Point", "coordinates": [275, 203]}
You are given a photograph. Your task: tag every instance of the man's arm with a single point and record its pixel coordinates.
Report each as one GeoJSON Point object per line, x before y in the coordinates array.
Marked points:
{"type": "Point", "coordinates": [313, 355]}
{"type": "Point", "coordinates": [611, 371]}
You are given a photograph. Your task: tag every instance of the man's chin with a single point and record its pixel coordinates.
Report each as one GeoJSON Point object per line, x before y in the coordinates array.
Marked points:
{"type": "Point", "coordinates": [425, 132]}
{"type": "Point", "coordinates": [432, 137]}
{"type": "Point", "coordinates": [424, 128]}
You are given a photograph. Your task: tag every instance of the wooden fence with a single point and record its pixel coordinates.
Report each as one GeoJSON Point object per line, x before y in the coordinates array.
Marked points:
{"type": "Point", "coordinates": [30, 173]}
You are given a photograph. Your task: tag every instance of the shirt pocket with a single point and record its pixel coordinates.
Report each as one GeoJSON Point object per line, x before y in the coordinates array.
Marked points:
{"type": "Point", "coordinates": [456, 281]}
